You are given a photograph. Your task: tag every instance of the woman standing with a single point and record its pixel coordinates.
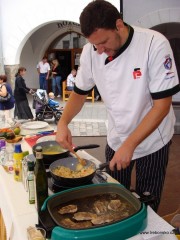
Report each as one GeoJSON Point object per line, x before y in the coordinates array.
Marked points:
{"type": "Point", "coordinates": [8, 105]}
{"type": "Point", "coordinates": [22, 109]}
{"type": "Point", "coordinates": [56, 78]}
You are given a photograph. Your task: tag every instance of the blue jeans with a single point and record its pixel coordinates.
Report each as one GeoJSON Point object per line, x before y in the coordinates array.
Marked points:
{"type": "Point", "coordinates": [43, 81]}
{"type": "Point", "coordinates": [56, 81]}
{"type": "Point", "coordinates": [70, 88]}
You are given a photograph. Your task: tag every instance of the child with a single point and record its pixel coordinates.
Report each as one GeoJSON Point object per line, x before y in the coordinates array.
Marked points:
{"type": "Point", "coordinates": [51, 102]}
{"type": "Point", "coordinates": [71, 80]}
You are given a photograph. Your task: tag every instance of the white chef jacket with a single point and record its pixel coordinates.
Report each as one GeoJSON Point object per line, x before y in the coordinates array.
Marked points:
{"type": "Point", "coordinates": [143, 70]}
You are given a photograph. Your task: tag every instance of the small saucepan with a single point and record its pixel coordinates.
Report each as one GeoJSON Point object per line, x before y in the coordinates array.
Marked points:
{"type": "Point", "coordinates": [52, 151]}
{"type": "Point", "coordinates": [71, 163]}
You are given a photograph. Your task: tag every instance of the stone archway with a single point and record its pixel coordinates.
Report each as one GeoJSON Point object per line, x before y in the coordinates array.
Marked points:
{"type": "Point", "coordinates": [159, 17]}
{"type": "Point", "coordinates": [35, 47]}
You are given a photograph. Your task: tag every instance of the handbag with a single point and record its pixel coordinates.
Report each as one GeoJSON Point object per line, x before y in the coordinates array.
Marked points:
{"type": "Point", "coordinates": [5, 98]}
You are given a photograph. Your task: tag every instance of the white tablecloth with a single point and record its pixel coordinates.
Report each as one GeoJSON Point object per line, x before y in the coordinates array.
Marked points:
{"type": "Point", "coordinates": [18, 214]}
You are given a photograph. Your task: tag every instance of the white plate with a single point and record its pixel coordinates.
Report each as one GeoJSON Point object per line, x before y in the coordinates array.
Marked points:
{"type": "Point", "coordinates": [34, 125]}
{"type": "Point", "coordinates": [46, 138]}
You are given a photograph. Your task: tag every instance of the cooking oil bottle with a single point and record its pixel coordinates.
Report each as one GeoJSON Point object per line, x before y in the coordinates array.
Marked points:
{"type": "Point", "coordinates": [17, 157]}
{"type": "Point", "coordinates": [41, 182]}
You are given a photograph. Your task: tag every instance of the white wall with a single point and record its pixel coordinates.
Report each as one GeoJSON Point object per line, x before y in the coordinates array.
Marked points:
{"type": "Point", "coordinates": [21, 18]}
{"type": "Point", "coordinates": [69, 37]}
{"type": "Point", "coordinates": [148, 13]}
{"type": "Point", "coordinates": [29, 61]}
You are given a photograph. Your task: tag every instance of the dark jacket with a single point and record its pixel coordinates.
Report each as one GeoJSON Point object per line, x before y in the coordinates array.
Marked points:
{"type": "Point", "coordinates": [20, 89]}
{"type": "Point", "coordinates": [9, 104]}
{"type": "Point", "coordinates": [59, 71]}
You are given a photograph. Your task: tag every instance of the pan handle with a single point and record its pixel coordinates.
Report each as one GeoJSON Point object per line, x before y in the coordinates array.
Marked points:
{"type": "Point", "coordinates": [90, 146]}
{"type": "Point", "coordinates": [102, 166]}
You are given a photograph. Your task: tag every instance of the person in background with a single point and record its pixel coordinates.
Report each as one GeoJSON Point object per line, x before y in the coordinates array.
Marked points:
{"type": "Point", "coordinates": [6, 107]}
{"type": "Point", "coordinates": [56, 77]}
{"type": "Point", "coordinates": [51, 102]}
{"type": "Point", "coordinates": [22, 109]}
{"type": "Point", "coordinates": [71, 80]}
{"type": "Point", "coordinates": [135, 73]}
{"type": "Point", "coordinates": [43, 69]}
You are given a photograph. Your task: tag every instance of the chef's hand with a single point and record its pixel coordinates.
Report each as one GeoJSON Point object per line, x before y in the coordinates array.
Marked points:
{"type": "Point", "coordinates": [122, 157]}
{"type": "Point", "coordinates": [64, 137]}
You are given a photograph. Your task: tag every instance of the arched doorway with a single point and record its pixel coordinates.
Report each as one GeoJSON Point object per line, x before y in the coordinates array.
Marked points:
{"type": "Point", "coordinates": [67, 49]}
{"type": "Point", "coordinates": [47, 40]}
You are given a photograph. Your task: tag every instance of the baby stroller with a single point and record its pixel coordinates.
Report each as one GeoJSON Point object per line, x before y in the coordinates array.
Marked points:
{"type": "Point", "coordinates": [43, 110]}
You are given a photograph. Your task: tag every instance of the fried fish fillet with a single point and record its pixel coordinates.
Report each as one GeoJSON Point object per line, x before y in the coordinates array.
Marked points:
{"type": "Point", "coordinates": [68, 209]}
{"type": "Point", "coordinates": [106, 218]}
{"type": "Point", "coordinates": [114, 205]}
{"type": "Point", "coordinates": [67, 222]}
{"type": "Point", "coordinates": [100, 207]}
{"type": "Point", "coordinates": [81, 216]}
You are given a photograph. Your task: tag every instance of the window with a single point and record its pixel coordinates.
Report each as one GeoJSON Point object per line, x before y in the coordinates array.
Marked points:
{"type": "Point", "coordinates": [65, 44]}
{"type": "Point", "coordinates": [75, 42]}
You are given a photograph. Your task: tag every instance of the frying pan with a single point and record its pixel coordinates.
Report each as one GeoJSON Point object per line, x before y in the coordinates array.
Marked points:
{"type": "Point", "coordinates": [49, 158]}
{"type": "Point", "coordinates": [71, 163]}
{"type": "Point", "coordinates": [121, 230]}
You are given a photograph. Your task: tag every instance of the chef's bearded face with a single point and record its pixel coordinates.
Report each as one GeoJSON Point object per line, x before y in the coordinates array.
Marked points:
{"type": "Point", "coordinates": [106, 41]}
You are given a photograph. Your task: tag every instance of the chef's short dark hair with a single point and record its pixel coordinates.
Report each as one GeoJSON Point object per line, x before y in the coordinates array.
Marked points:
{"type": "Point", "coordinates": [98, 14]}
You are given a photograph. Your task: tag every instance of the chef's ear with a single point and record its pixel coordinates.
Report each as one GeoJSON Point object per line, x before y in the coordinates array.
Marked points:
{"type": "Point", "coordinates": [119, 24]}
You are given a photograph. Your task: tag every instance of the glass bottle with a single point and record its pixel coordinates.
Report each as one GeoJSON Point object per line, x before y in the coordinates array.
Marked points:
{"type": "Point", "coordinates": [41, 182]}
{"type": "Point", "coordinates": [30, 182]}
{"type": "Point", "coordinates": [3, 154]}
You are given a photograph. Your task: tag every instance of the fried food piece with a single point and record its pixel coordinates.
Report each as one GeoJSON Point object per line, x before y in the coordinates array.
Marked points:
{"type": "Point", "coordinates": [102, 219]}
{"type": "Point", "coordinates": [81, 216]}
{"type": "Point", "coordinates": [68, 209]}
{"type": "Point", "coordinates": [67, 222]}
{"type": "Point", "coordinates": [100, 207]}
{"type": "Point", "coordinates": [114, 205]}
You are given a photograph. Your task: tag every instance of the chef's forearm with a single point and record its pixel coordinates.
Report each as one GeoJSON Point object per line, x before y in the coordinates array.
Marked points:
{"type": "Point", "coordinates": [150, 122]}
{"type": "Point", "coordinates": [72, 108]}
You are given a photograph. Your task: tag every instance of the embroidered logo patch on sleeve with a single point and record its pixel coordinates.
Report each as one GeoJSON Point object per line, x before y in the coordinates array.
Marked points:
{"type": "Point", "coordinates": [168, 62]}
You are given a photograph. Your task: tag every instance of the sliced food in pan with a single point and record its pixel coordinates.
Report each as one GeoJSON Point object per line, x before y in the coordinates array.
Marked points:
{"type": "Point", "coordinates": [101, 206]}
{"type": "Point", "coordinates": [114, 205]}
{"type": "Point", "coordinates": [68, 209]}
{"type": "Point", "coordinates": [67, 222]}
{"type": "Point", "coordinates": [106, 218]}
{"type": "Point", "coordinates": [81, 216]}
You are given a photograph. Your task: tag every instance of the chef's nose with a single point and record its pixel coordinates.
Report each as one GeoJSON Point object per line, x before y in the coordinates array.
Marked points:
{"type": "Point", "coordinates": [100, 48]}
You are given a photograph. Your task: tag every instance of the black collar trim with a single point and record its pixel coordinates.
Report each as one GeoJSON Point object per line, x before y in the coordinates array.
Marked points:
{"type": "Point", "coordinates": [123, 48]}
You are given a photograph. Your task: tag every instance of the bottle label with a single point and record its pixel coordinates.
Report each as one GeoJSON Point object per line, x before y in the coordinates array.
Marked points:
{"type": "Point", "coordinates": [39, 155]}
{"type": "Point", "coordinates": [31, 190]}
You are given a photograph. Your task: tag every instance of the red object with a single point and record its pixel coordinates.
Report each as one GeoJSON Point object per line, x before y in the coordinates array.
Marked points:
{"type": "Point", "coordinates": [32, 140]}
{"type": "Point", "coordinates": [137, 73]}
{"type": "Point", "coordinates": [110, 58]}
